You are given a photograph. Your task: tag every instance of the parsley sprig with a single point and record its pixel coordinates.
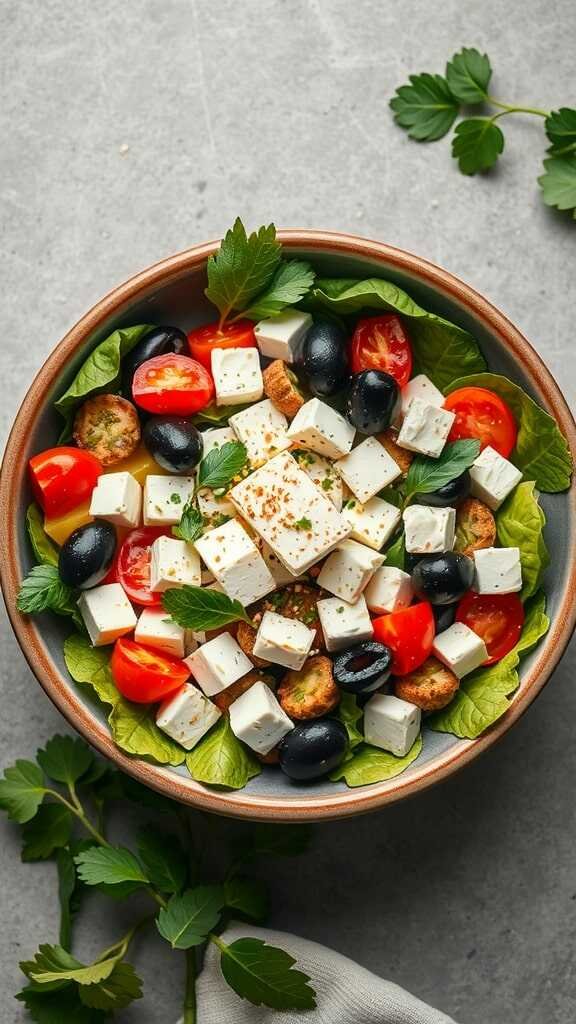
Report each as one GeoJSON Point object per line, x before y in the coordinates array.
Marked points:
{"type": "Point", "coordinates": [428, 107]}
{"type": "Point", "coordinates": [217, 469]}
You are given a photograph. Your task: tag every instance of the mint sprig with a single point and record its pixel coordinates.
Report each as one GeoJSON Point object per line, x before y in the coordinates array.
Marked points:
{"type": "Point", "coordinates": [201, 609]}
{"type": "Point", "coordinates": [217, 469]}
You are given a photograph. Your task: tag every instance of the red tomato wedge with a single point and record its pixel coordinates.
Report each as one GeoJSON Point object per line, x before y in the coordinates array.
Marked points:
{"type": "Point", "coordinates": [482, 414]}
{"type": "Point", "coordinates": [409, 634]}
{"type": "Point", "coordinates": [63, 478]}
{"type": "Point", "coordinates": [132, 565]}
{"type": "Point", "coordinates": [202, 340]}
{"type": "Point", "coordinates": [172, 384]}
{"type": "Point", "coordinates": [496, 618]}
{"type": "Point", "coordinates": [146, 676]}
{"type": "Point", "coordinates": [382, 343]}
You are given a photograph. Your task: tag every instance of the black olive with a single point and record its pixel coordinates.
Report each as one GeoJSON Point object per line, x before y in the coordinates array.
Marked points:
{"type": "Point", "coordinates": [174, 442]}
{"type": "Point", "coordinates": [444, 615]}
{"type": "Point", "coordinates": [325, 358]}
{"type": "Point", "coordinates": [372, 401]}
{"type": "Point", "coordinates": [411, 560]}
{"type": "Point", "coordinates": [156, 342]}
{"type": "Point", "coordinates": [87, 555]}
{"type": "Point", "coordinates": [363, 668]}
{"type": "Point", "coordinates": [443, 579]}
{"type": "Point", "coordinates": [312, 749]}
{"type": "Point", "coordinates": [452, 493]}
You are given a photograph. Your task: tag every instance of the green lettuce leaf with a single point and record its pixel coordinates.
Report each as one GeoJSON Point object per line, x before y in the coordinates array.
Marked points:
{"type": "Point", "coordinates": [369, 765]}
{"type": "Point", "coordinates": [520, 523]}
{"type": "Point", "coordinates": [221, 760]}
{"type": "Point", "coordinates": [45, 552]}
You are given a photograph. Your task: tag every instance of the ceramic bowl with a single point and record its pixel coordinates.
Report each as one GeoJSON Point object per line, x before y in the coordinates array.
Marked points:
{"type": "Point", "coordinates": [173, 292]}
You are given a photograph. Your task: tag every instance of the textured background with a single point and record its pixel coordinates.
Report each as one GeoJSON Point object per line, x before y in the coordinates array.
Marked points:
{"type": "Point", "coordinates": [133, 130]}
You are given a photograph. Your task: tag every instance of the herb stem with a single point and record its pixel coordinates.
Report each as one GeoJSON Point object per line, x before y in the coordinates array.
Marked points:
{"type": "Point", "coordinates": [120, 948]}
{"type": "Point", "coordinates": [509, 108]}
{"type": "Point", "coordinates": [217, 941]}
{"type": "Point", "coordinates": [78, 811]}
{"type": "Point", "coordinates": [190, 989]}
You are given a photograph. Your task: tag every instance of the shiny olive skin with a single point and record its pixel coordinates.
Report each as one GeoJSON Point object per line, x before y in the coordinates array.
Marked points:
{"type": "Point", "coordinates": [86, 557]}
{"type": "Point", "coordinates": [324, 358]}
{"type": "Point", "coordinates": [452, 493]}
{"type": "Point", "coordinates": [173, 442]}
{"type": "Point", "coordinates": [362, 668]}
{"type": "Point", "coordinates": [372, 402]}
{"type": "Point", "coordinates": [444, 615]}
{"type": "Point", "coordinates": [443, 579]}
{"type": "Point", "coordinates": [313, 749]}
{"type": "Point", "coordinates": [158, 341]}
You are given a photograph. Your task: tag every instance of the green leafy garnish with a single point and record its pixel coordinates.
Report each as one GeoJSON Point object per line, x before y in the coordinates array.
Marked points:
{"type": "Point", "coordinates": [54, 964]}
{"type": "Point", "coordinates": [477, 144]}
{"type": "Point", "coordinates": [44, 550]}
{"type": "Point", "coordinates": [302, 524]}
{"type": "Point", "coordinates": [369, 765]}
{"type": "Point", "coordinates": [520, 523]}
{"type": "Point", "coordinates": [426, 475]}
{"type": "Point", "coordinates": [22, 790]}
{"type": "Point", "coordinates": [65, 759]}
{"type": "Point", "coordinates": [247, 896]}
{"type": "Point", "coordinates": [561, 131]}
{"type": "Point", "coordinates": [189, 918]}
{"type": "Point", "coordinates": [558, 183]}
{"type": "Point", "coordinates": [200, 609]}
{"type": "Point", "coordinates": [468, 75]}
{"type": "Point", "coordinates": [265, 975]}
{"type": "Point", "coordinates": [221, 760]}
{"type": "Point", "coordinates": [290, 283]}
{"type": "Point", "coordinates": [67, 894]}
{"type": "Point", "coordinates": [222, 464]}
{"type": "Point", "coordinates": [109, 865]}
{"type": "Point", "coordinates": [163, 858]}
{"type": "Point", "coordinates": [48, 830]}
{"type": "Point", "coordinates": [242, 268]}
{"type": "Point", "coordinates": [43, 590]}
{"type": "Point", "coordinates": [191, 524]}
{"type": "Point", "coordinates": [426, 108]}
{"type": "Point", "coordinates": [395, 555]}
{"type": "Point", "coordinates": [350, 714]}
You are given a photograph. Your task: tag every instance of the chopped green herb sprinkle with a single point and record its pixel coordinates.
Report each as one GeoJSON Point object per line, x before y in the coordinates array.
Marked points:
{"type": "Point", "coordinates": [302, 524]}
{"type": "Point", "coordinates": [176, 499]}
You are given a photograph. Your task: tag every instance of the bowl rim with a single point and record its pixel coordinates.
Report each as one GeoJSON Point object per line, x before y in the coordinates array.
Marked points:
{"type": "Point", "coordinates": [242, 803]}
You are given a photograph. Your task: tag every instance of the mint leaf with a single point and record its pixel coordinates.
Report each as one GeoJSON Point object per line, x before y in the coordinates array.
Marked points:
{"type": "Point", "coordinates": [369, 765]}
{"type": "Point", "coordinates": [191, 524]}
{"type": "Point", "coordinates": [49, 829]}
{"type": "Point", "coordinates": [395, 555]}
{"type": "Point", "coordinates": [65, 759]}
{"type": "Point", "coordinates": [426, 108]}
{"type": "Point", "coordinates": [265, 976]}
{"type": "Point", "coordinates": [247, 896]}
{"type": "Point", "coordinates": [477, 144]}
{"type": "Point", "coordinates": [222, 760]}
{"type": "Point", "coordinates": [426, 475]}
{"type": "Point", "coordinates": [188, 919]}
{"type": "Point", "coordinates": [242, 267]}
{"type": "Point", "coordinates": [117, 991]}
{"type": "Point", "coordinates": [44, 550]}
{"type": "Point", "coordinates": [201, 609]}
{"type": "Point", "coordinates": [43, 590]}
{"type": "Point", "coordinates": [163, 858]}
{"type": "Point", "coordinates": [222, 464]}
{"type": "Point", "coordinates": [558, 183]}
{"type": "Point", "coordinates": [290, 283]}
{"type": "Point", "coordinates": [110, 865]}
{"type": "Point", "coordinates": [520, 523]}
{"type": "Point", "coordinates": [22, 791]}
{"type": "Point", "coordinates": [561, 130]}
{"type": "Point", "coordinates": [46, 1006]}
{"type": "Point", "coordinates": [52, 963]}
{"type": "Point", "coordinates": [468, 75]}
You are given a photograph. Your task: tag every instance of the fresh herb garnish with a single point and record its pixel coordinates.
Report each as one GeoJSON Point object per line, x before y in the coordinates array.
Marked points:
{"type": "Point", "coordinates": [42, 590]}
{"type": "Point", "coordinates": [302, 524]}
{"type": "Point", "coordinates": [200, 609]}
{"type": "Point", "coordinates": [191, 524]}
{"type": "Point", "coordinates": [216, 470]}
{"type": "Point", "coordinates": [426, 475]}
{"type": "Point", "coordinates": [327, 483]}
{"type": "Point", "coordinates": [176, 498]}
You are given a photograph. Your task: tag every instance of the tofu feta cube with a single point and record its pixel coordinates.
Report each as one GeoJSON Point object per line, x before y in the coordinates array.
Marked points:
{"type": "Point", "coordinates": [373, 523]}
{"type": "Point", "coordinates": [367, 469]}
{"type": "Point", "coordinates": [257, 719]}
{"type": "Point", "coordinates": [321, 429]}
{"type": "Point", "coordinates": [237, 375]}
{"type": "Point", "coordinates": [187, 716]}
{"type": "Point", "coordinates": [460, 649]}
{"type": "Point", "coordinates": [173, 563]}
{"type": "Point", "coordinates": [237, 564]}
{"type": "Point", "coordinates": [281, 337]}
{"type": "Point", "coordinates": [389, 590]}
{"type": "Point", "coordinates": [280, 502]}
{"type": "Point", "coordinates": [283, 641]}
{"type": "Point", "coordinates": [498, 571]}
{"type": "Point", "coordinates": [154, 629]}
{"type": "Point", "coordinates": [279, 571]}
{"type": "Point", "coordinates": [344, 624]}
{"type": "Point", "coordinates": [429, 530]}
{"type": "Point", "coordinates": [493, 478]}
{"type": "Point", "coordinates": [107, 613]}
{"type": "Point", "coordinates": [211, 505]}
{"type": "Point", "coordinates": [117, 497]}
{"type": "Point", "coordinates": [165, 497]}
{"type": "Point", "coordinates": [420, 387]}
{"type": "Point", "coordinates": [322, 473]}
{"type": "Point", "coordinates": [349, 569]}
{"type": "Point", "coordinates": [262, 428]}
{"type": "Point", "coordinates": [218, 663]}
{"type": "Point", "coordinates": [391, 724]}
{"type": "Point", "coordinates": [425, 428]}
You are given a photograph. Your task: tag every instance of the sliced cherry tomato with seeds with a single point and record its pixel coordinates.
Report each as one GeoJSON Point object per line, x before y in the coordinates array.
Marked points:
{"type": "Point", "coordinates": [145, 676]}
{"type": "Point", "coordinates": [496, 618]}
{"type": "Point", "coordinates": [63, 478]}
{"type": "Point", "coordinates": [482, 414]}
{"type": "Point", "coordinates": [382, 343]}
{"type": "Point", "coordinates": [203, 340]}
{"type": "Point", "coordinates": [409, 633]}
{"type": "Point", "coordinates": [132, 565]}
{"type": "Point", "coordinates": [172, 384]}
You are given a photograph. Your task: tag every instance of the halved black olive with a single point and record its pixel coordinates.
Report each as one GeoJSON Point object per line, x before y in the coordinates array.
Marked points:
{"type": "Point", "coordinates": [443, 579]}
{"type": "Point", "coordinates": [363, 668]}
{"type": "Point", "coordinates": [312, 749]}
{"type": "Point", "coordinates": [174, 442]}
{"type": "Point", "coordinates": [325, 358]}
{"type": "Point", "coordinates": [452, 493]}
{"type": "Point", "coordinates": [444, 615]}
{"type": "Point", "coordinates": [156, 342]}
{"type": "Point", "coordinates": [87, 555]}
{"type": "Point", "coordinates": [372, 401]}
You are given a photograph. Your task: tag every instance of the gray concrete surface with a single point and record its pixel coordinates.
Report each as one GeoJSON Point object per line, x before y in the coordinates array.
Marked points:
{"type": "Point", "coordinates": [132, 130]}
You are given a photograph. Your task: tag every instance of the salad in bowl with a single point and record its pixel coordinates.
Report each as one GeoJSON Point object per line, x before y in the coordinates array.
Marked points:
{"type": "Point", "coordinates": [294, 538]}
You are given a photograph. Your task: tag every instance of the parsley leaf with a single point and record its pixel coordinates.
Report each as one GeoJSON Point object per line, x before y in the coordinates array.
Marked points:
{"type": "Point", "coordinates": [47, 1006]}
{"type": "Point", "coordinates": [118, 990]}
{"type": "Point", "coordinates": [191, 524]}
{"type": "Point", "coordinates": [22, 791]}
{"type": "Point", "coordinates": [110, 865]}
{"type": "Point", "coordinates": [468, 75]}
{"type": "Point", "coordinates": [426, 475]}
{"type": "Point", "coordinates": [47, 831]}
{"type": "Point", "coordinates": [426, 108]}
{"type": "Point", "coordinates": [242, 267]}
{"type": "Point", "coordinates": [53, 963]}
{"type": "Point", "coordinates": [558, 183]}
{"type": "Point", "coordinates": [222, 464]}
{"type": "Point", "coordinates": [265, 975]}
{"type": "Point", "coordinates": [43, 590]}
{"type": "Point", "coordinates": [200, 609]}
{"type": "Point", "coordinates": [164, 859]}
{"type": "Point", "coordinates": [477, 144]}
{"type": "Point", "coordinates": [65, 759]}
{"type": "Point", "coordinates": [561, 130]}
{"type": "Point", "coordinates": [188, 918]}
{"type": "Point", "coordinates": [289, 284]}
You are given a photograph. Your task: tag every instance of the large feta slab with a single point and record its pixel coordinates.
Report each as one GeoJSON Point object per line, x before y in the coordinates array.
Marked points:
{"type": "Point", "coordinates": [425, 428]}
{"type": "Point", "coordinates": [344, 624]}
{"type": "Point", "coordinates": [187, 716]}
{"type": "Point", "coordinates": [282, 336]}
{"type": "Point", "coordinates": [391, 724]}
{"type": "Point", "coordinates": [257, 719]}
{"type": "Point", "coordinates": [367, 469]}
{"type": "Point", "coordinates": [165, 497]}
{"type": "Point", "coordinates": [117, 497]}
{"type": "Point", "coordinates": [321, 429]}
{"type": "Point", "coordinates": [107, 613]}
{"type": "Point", "coordinates": [235, 561]}
{"type": "Point", "coordinates": [493, 477]}
{"type": "Point", "coordinates": [372, 523]}
{"type": "Point", "coordinates": [498, 571]}
{"type": "Point", "coordinates": [173, 563]}
{"type": "Point", "coordinates": [460, 649]}
{"type": "Point", "coordinates": [349, 569]}
{"type": "Point", "coordinates": [237, 375]}
{"type": "Point", "coordinates": [262, 429]}
{"type": "Point", "coordinates": [283, 641]}
{"type": "Point", "coordinates": [218, 663]}
{"type": "Point", "coordinates": [429, 530]}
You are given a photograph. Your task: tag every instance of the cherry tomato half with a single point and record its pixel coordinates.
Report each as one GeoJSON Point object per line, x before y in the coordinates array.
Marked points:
{"type": "Point", "coordinates": [172, 384]}
{"type": "Point", "coordinates": [482, 414]}
{"type": "Point", "coordinates": [132, 565]}
{"type": "Point", "coordinates": [62, 478]}
{"type": "Point", "coordinates": [496, 618]}
{"type": "Point", "coordinates": [202, 340]}
{"type": "Point", "coordinates": [409, 634]}
{"type": "Point", "coordinates": [146, 676]}
{"type": "Point", "coordinates": [382, 343]}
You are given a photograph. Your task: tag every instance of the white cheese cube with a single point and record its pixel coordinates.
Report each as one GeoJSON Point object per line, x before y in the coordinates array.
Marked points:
{"type": "Point", "coordinates": [367, 469]}
{"type": "Point", "coordinates": [460, 649]}
{"type": "Point", "coordinates": [293, 516]}
{"type": "Point", "coordinates": [389, 590]}
{"type": "Point", "coordinates": [283, 641]}
{"type": "Point", "coordinates": [344, 624]}
{"type": "Point", "coordinates": [493, 477]}
{"type": "Point", "coordinates": [391, 724]}
{"type": "Point", "coordinates": [373, 523]}
{"type": "Point", "coordinates": [322, 473]}
{"type": "Point", "coordinates": [420, 387]}
{"type": "Point", "coordinates": [237, 375]}
{"type": "Point", "coordinates": [211, 505]}
{"type": "Point", "coordinates": [262, 428]}
{"type": "Point", "coordinates": [237, 564]}
{"type": "Point", "coordinates": [257, 719]}
{"type": "Point", "coordinates": [192, 640]}
{"type": "Point", "coordinates": [425, 428]}
{"type": "Point", "coordinates": [321, 429]}
{"type": "Point", "coordinates": [498, 571]}
{"type": "Point", "coordinates": [173, 563]}
{"type": "Point", "coordinates": [218, 663]}
{"type": "Point", "coordinates": [282, 336]}
{"type": "Point", "coordinates": [187, 716]}
{"type": "Point", "coordinates": [348, 570]}
{"type": "Point", "coordinates": [117, 497]}
{"type": "Point", "coordinates": [107, 613]}
{"type": "Point", "coordinates": [164, 499]}
{"type": "Point", "coordinates": [281, 574]}
{"type": "Point", "coordinates": [155, 629]}
{"type": "Point", "coordinates": [429, 530]}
